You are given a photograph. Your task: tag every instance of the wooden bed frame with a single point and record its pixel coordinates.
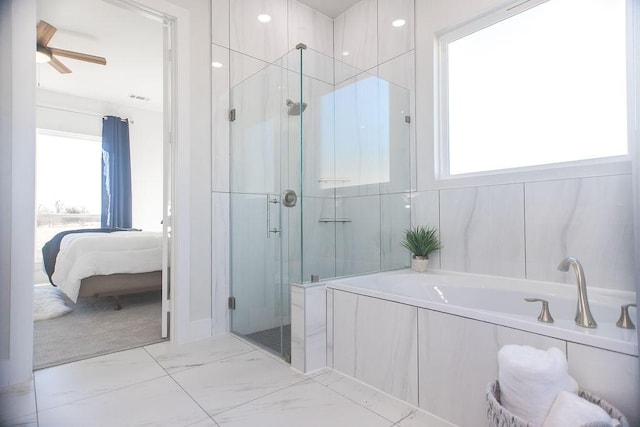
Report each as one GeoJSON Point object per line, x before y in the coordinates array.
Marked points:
{"type": "Point", "coordinates": [114, 285]}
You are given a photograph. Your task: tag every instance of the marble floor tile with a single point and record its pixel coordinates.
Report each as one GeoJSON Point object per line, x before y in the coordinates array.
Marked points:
{"type": "Point", "coordinates": [421, 418]}
{"type": "Point", "coordinates": [221, 385]}
{"type": "Point", "coordinates": [79, 380]}
{"type": "Point", "coordinates": [17, 402]}
{"type": "Point", "coordinates": [26, 421]}
{"type": "Point", "coordinates": [382, 404]}
{"type": "Point", "coordinates": [307, 403]}
{"type": "Point", "coordinates": [176, 358]}
{"type": "Point", "coordinates": [207, 422]}
{"type": "Point", "coordinates": [157, 402]}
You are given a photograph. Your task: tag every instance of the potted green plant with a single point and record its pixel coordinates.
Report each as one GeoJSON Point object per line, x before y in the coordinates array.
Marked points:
{"type": "Point", "coordinates": [421, 241]}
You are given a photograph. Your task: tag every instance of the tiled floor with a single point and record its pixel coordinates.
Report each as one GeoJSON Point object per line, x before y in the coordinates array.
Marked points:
{"type": "Point", "coordinates": [222, 381]}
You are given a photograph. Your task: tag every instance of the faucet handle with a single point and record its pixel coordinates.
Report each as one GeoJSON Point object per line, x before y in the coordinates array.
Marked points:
{"type": "Point", "coordinates": [625, 320]}
{"type": "Point", "coordinates": [545, 314]}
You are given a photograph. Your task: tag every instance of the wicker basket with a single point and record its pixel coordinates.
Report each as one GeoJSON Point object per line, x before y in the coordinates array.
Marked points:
{"type": "Point", "coordinates": [499, 417]}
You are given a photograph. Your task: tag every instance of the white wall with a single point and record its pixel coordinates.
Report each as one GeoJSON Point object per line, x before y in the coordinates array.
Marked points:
{"type": "Point", "coordinates": [17, 188]}
{"type": "Point", "coordinates": [191, 208]}
{"type": "Point", "coordinates": [519, 225]}
{"type": "Point", "coordinates": [66, 113]}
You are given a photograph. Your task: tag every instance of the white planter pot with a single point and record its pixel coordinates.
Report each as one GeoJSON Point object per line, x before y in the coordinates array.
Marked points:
{"type": "Point", "coordinates": [419, 263]}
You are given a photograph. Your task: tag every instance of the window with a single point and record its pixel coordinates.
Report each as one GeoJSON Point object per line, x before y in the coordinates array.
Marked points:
{"type": "Point", "coordinates": [542, 86]}
{"type": "Point", "coordinates": [68, 187]}
{"type": "Point", "coordinates": [68, 173]}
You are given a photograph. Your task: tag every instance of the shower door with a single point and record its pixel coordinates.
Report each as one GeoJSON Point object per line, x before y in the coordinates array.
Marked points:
{"type": "Point", "coordinates": [262, 205]}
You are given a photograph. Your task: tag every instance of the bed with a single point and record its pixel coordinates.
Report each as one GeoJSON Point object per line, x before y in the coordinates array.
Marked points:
{"type": "Point", "coordinates": [104, 262]}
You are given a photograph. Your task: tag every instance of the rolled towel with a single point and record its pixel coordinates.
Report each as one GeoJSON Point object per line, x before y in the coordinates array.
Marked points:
{"type": "Point", "coordinates": [570, 410]}
{"type": "Point", "coordinates": [530, 379]}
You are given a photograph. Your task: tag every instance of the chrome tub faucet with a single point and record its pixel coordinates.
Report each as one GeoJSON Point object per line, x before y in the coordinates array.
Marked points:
{"type": "Point", "coordinates": [583, 312]}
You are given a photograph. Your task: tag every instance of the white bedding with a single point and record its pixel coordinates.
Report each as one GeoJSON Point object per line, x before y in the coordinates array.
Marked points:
{"type": "Point", "coordinates": [89, 254]}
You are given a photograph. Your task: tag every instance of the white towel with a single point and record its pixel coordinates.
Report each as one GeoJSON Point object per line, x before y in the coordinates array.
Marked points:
{"type": "Point", "coordinates": [530, 379]}
{"type": "Point", "coordinates": [570, 410]}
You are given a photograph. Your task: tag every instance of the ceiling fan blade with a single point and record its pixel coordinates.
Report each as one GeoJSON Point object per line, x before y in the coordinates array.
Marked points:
{"type": "Point", "coordinates": [45, 32]}
{"type": "Point", "coordinates": [79, 56]}
{"type": "Point", "coordinates": [59, 66]}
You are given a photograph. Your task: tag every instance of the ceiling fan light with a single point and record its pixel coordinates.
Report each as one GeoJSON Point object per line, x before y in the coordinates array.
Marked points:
{"type": "Point", "coordinates": [42, 55]}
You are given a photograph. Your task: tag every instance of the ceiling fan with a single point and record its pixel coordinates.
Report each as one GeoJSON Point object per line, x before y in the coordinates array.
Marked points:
{"type": "Point", "coordinates": [45, 53]}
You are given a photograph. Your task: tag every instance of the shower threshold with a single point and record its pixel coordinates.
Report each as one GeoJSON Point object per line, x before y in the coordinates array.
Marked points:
{"type": "Point", "coordinates": [269, 339]}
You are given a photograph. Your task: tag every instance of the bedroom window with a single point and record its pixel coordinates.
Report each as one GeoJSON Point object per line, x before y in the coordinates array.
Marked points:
{"type": "Point", "coordinates": [68, 184]}
{"type": "Point", "coordinates": [540, 83]}
{"type": "Point", "coordinates": [68, 169]}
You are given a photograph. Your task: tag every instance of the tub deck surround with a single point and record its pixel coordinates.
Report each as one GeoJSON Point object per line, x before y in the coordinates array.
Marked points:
{"type": "Point", "coordinates": [433, 338]}
{"type": "Point", "coordinates": [308, 326]}
{"type": "Point", "coordinates": [500, 301]}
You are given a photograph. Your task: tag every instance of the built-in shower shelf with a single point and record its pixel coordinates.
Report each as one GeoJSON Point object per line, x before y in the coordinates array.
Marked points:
{"type": "Point", "coordinates": [333, 180]}
{"type": "Point", "coordinates": [334, 220]}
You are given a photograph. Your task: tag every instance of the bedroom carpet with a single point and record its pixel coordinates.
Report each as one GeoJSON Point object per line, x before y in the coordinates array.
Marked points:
{"type": "Point", "coordinates": [94, 328]}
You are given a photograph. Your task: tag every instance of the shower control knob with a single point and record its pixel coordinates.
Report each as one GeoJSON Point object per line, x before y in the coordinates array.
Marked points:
{"type": "Point", "coordinates": [289, 198]}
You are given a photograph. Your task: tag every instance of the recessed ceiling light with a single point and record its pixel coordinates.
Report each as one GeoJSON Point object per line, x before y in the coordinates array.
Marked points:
{"type": "Point", "coordinates": [345, 53]}
{"type": "Point", "coordinates": [216, 64]}
{"type": "Point", "coordinates": [264, 18]}
{"type": "Point", "coordinates": [398, 22]}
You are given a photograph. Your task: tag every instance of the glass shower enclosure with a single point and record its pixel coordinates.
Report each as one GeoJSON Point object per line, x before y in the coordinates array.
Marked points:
{"type": "Point", "coordinates": [320, 181]}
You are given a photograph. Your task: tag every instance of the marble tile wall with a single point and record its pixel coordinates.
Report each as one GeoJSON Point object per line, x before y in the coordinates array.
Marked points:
{"type": "Point", "coordinates": [400, 71]}
{"type": "Point", "coordinates": [220, 264]}
{"type": "Point", "coordinates": [298, 351]}
{"type": "Point", "coordinates": [257, 292]}
{"type": "Point", "coordinates": [593, 368]}
{"type": "Point", "coordinates": [394, 40]}
{"type": "Point", "coordinates": [478, 221]}
{"type": "Point", "coordinates": [308, 327]}
{"type": "Point", "coordinates": [243, 46]}
{"type": "Point", "coordinates": [367, 49]}
{"type": "Point", "coordinates": [310, 27]}
{"type": "Point", "coordinates": [376, 343]}
{"type": "Point", "coordinates": [263, 40]}
{"type": "Point", "coordinates": [525, 230]}
{"type": "Point", "coordinates": [355, 36]}
{"type": "Point", "coordinates": [395, 216]}
{"type": "Point", "coordinates": [220, 58]}
{"type": "Point", "coordinates": [589, 218]}
{"type": "Point", "coordinates": [358, 246]}
{"type": "Point", "coordinates": [458, 358]}
{"type": "Point", "coordinates": [425, 211]}
{"type": "Point", "coordinates": [330, 325]}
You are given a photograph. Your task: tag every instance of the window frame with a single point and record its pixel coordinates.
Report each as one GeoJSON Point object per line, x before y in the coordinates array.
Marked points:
{"type": "Point", "coordinates": [561, 170]}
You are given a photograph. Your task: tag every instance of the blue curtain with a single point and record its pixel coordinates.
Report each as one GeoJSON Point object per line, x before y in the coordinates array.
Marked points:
{"type": "Point", "coordinates": [116, 173]}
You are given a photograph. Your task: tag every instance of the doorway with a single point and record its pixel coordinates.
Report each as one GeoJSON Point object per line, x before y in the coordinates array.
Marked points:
{"type": "Point", "coordinates": [77, 105]}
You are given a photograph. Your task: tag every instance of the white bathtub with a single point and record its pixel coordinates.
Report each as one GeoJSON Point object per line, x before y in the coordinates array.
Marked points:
{"type": "Point", "coordinates": [501, 301]}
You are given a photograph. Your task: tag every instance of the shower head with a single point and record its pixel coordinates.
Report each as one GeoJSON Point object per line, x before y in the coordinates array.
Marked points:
{"type": "Point", "coordinates": [295, 108]}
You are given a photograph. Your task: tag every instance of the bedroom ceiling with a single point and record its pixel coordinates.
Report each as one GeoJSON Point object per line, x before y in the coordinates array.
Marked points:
{"type": "Point", "coordinates": [331, 8]}
{"type": "Point", "coordinates": [131, 43]}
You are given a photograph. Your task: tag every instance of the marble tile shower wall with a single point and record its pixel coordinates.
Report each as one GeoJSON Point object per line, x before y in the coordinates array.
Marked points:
{"type": "Point", "coordinates": [367, 44]}
{"type": "Point", "coordinates": [242, 46]}
{"type": "Point", "coordinates": [524, 230]}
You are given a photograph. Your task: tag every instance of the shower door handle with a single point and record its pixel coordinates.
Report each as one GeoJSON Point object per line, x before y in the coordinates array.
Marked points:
{"type": "Point", "coordinates": [271, 200]}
